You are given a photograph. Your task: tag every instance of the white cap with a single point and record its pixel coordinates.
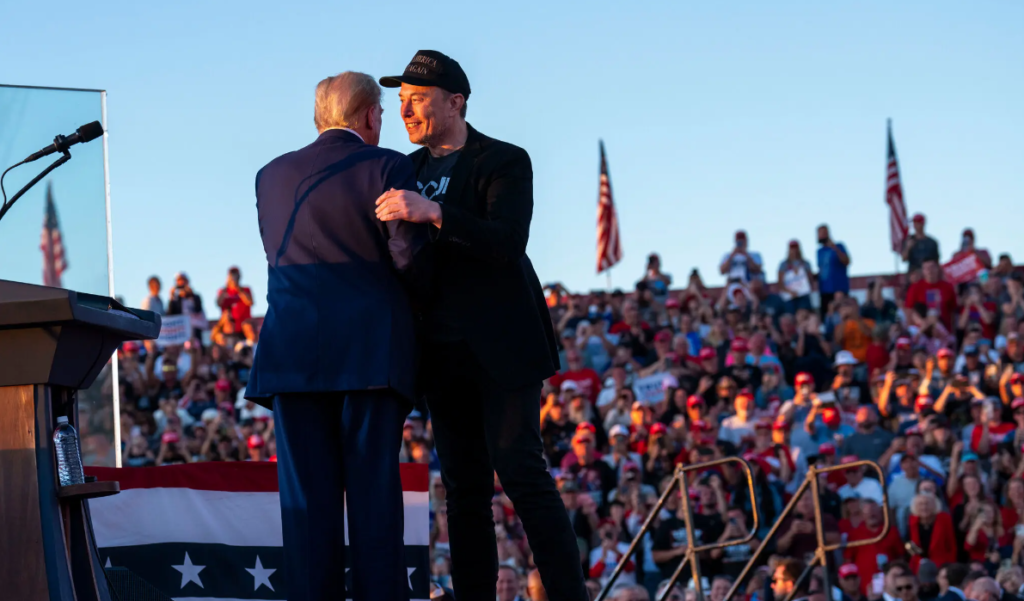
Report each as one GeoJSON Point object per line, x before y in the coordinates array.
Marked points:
{"type": "Point", "coordinates": [62, 419]}
{"type": "Point", "coordinates": [845, 358]}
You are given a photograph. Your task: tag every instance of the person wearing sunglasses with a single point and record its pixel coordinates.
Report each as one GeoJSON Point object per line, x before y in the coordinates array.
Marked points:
{"type": "Point", "coordinates": [906, 587]}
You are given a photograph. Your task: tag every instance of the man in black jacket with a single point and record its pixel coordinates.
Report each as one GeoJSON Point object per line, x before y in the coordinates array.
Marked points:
{"type": "Point", "coordinates": [487, 338]}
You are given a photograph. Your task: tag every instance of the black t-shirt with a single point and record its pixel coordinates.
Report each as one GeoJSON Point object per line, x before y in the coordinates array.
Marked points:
{"type": "Point", "coordinates": [557, 440]}
{"type": "Point", "coordinates": [671, 533]}
{"type": "Point", "coordinates": [745, 376]}
{"type": "Point", "coordinates": [432, 182]}
{"type": "Point", "coordinates": [435, 175]}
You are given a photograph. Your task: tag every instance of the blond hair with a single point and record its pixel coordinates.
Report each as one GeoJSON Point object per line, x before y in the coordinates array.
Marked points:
{"type": "Point", "coordinates": [342, 100]}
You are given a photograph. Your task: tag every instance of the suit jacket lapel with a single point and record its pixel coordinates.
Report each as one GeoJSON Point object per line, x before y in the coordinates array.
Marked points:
{"type": "Point", "coordinates": [462, 170]}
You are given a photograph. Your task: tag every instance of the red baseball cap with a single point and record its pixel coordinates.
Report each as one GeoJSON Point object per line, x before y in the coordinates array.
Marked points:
{"type": "Point", "coordinates": [694, 400]}
{"type": "Point", "coordinates": [223, 385]}
{"type": "Point", "coordinates": [663, 336]}
{"type": "Point", "coordinates": [706, 354]}
{"type": "Point", "coordinates": [672, 303]}
{"type": "Point", "coordinates": [1017, 403]}
{"type": "Point", "coordinates": [832, 417]}
{"type": "Point", "coordinates": [582, 435]}
{"type": "Point", "coordinates": [914, 431]}
{"type": "Point", "coordinates": [170, 437]}
{"type": "Point", "coordinates": [794, 243]}
{"type": "Point", "coordinates": [745, 393]}
{"type": "Point", "coordinates": [804, 378]}
{"type": "Point", "coordinates": [130, 346]}
{"type": "Point", "coordinates": [740, 234]}
{"type": "Point", "coordinates": [902, 342]}
{"type": "Point", "coordinates": [586, 427]}
{"type": "Point", "coordinates": [739, 345]}
{"type": "Point", "coordinates": [1016, 378]}
{"type": "Point", "coordinates": [827, 449]}
{"type": "Point", "coordinates": [923, 401]}
{"type": "Point", "coordinates": [255, 441]}
{"type": "Point", "coordinates": [780, 425]}
{"type": "Point", "coordinates": [849, 459]}
{"type": "Point", "coordinates": [848, 569]}
{"type": "Point", "coordinates": [763, 424]}
{"type": "Point", "coordinates": [944, 352]}
{"type": "Point", "coordinates": [658, 428]}
{"type": "Point", "coordinates": [919, 217]}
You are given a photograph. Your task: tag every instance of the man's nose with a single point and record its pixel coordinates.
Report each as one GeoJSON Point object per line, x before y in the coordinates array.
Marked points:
{"type": "Point", "coordinates": [407, 109]}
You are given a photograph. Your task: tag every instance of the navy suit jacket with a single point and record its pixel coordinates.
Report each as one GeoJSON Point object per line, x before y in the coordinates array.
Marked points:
{"type": "Point", "coordinates": [339, 316]}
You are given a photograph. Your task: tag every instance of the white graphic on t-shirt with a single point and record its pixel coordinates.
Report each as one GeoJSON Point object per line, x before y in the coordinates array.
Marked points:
{"type": "Point", "coordinates": [433, 189]}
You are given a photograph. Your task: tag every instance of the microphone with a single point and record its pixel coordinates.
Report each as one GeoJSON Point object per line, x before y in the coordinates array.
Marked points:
{"type": "Point", "coordinates": [86, 133]}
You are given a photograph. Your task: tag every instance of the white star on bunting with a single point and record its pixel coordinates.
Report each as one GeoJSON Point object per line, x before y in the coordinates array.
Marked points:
{"type": "Point", "coordinates": [107, 565]}
{"type": "Point", "coordinates": [189, 572]}
{"type": "Point", "coordinates": [409, 576]}
{"type": "Point", "coordinates": [261, 575]}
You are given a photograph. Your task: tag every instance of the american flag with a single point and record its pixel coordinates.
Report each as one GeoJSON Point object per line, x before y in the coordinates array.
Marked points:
{"type": "Point", "coordinates": [898, 226]}
{"type": "Point", "coordinates": [609, 247]}
{"type": "Point", "coordinates": [54, 262]}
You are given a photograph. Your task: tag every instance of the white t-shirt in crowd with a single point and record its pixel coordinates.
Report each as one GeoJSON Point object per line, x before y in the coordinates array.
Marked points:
{"type": "Point", "coordinates": [734, 430]}
{"type": "Point", "coordinates": [869, 488]}
{"type": "Point", "coordinates": [611, 559]}
{"type": "Point", "coordinates": [738, 268]}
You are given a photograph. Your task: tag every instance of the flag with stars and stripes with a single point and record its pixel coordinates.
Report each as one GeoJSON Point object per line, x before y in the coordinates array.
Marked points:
{"type": "Point", "coordinates": [212, 531]}
{"type": "Point", "coordinates": [898, 225]}
{"type": "Point", "coordinates": [50, 242]}
{"type": "Point", "coordinates": [609, 247]}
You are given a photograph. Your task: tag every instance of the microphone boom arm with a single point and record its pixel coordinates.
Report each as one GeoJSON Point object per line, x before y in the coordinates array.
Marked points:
{"type": "Point", "coordinates": [66, 156]}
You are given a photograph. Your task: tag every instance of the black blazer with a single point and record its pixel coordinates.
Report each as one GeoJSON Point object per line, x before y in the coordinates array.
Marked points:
{"type": "Point", "coordinates": [480, 262]}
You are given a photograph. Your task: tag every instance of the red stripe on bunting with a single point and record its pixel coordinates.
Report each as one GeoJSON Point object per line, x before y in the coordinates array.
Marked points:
{"type": "Point", "coordinates": [227, 476]}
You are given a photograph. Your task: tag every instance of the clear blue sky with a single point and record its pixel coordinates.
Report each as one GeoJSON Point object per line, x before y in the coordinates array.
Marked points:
{"type": "Point", "coordinates": [716, 116]}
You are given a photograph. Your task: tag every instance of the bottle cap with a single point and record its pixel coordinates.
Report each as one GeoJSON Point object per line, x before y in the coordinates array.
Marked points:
{"type": "Point", "coordinates": [62, 419]}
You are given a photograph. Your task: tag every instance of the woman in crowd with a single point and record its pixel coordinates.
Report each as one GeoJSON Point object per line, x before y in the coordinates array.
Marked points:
{"type": "Point", "coordinates": [930, 532]}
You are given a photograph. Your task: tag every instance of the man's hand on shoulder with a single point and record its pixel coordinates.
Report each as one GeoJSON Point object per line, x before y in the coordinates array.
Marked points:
{"type": "Point", "coordinates": [406, 205]}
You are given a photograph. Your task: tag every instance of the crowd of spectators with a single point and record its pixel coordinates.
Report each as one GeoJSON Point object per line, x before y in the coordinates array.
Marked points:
{"type": "Point", "coordinates": [787, 368]}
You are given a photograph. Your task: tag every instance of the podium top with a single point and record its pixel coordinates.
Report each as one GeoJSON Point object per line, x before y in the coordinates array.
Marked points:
{"type": "Point", "coordinates": [27, 305]}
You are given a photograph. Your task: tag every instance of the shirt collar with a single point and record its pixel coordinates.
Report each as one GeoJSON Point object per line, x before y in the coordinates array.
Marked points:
{"type": "Point", "coordinates": [351, 131]}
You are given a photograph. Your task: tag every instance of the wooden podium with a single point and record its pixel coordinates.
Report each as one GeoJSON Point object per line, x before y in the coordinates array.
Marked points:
{"type": "Point", "coordinates": [53, 342]}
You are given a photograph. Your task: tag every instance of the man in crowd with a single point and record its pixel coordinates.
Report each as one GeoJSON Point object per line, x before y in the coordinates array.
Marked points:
{"type": "Point", "coordinates": [234, 299]}
{"type": "Point", "coordinates": [919, 247]}
{"type": "Point", "coordinates": [833, 263]}
{"type": "Point", "coordinates": [741, 264]}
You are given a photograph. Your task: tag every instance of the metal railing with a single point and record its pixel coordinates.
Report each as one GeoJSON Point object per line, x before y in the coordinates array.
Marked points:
{"type": "Point", "coordinates": [821, 553]}
{"type": "Point", "coordinates": [679, 478]}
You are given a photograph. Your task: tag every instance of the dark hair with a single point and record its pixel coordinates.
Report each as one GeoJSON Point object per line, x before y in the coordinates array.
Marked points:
{"type": "Point", "coordinates": [955, 573]}
{"type": "Point", "coordinates": [792, 568]}
{"type": "Point", "coordinates": [892, 565]}
{"type": "Point", "coordinates": [152, 279]}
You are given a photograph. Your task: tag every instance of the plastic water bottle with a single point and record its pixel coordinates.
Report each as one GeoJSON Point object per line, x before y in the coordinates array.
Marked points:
{"type": "Point", "coordinates": [69, 458]}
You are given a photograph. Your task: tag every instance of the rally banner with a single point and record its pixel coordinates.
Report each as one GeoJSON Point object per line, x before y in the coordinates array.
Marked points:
{"type": "Point", "coordinates": [962, 270]}
{"type": "Point", "coordinates": [174, 330]}
{"type": "Point", "coordinates": [212, 531]}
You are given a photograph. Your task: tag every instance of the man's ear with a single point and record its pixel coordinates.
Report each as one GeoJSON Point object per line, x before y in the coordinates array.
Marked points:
{"type": "Point", "coordinates": [458, 101]}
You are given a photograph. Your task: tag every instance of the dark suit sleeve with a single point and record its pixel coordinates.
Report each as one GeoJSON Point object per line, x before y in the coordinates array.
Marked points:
{"type": "Point", "coordinates": [502, 234]}
{"type": "Point", "coordinates": [408, 243]}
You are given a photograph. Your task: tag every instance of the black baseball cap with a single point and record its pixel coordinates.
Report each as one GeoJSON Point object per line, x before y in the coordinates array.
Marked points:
{"type": "Point", "coordinates": [434, 69]}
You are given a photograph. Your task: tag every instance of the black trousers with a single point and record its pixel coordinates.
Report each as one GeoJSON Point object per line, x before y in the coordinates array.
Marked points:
{"type": "Point", "coordinates": [481, 428]}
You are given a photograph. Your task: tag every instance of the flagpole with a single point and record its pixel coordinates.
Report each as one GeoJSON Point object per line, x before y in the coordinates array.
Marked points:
{"type": "Point", "coordinates": [608, 272]}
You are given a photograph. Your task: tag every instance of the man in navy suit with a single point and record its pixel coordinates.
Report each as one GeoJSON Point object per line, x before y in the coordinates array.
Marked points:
{"type": "Point", "coordinates": [336, 357]}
